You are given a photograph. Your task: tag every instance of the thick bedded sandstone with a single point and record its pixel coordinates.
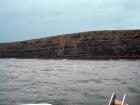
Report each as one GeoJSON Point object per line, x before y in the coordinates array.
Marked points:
{"type": "Point", "coordinates": [85, 45]}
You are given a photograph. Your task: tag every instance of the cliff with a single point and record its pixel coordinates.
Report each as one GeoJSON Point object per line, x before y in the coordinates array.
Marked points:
{"type": "Point", "coordinates": [85, 45]}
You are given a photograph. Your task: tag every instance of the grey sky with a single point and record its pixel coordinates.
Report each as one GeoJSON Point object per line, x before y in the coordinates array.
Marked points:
{"type": "Point", "coordinates": [27, 19]}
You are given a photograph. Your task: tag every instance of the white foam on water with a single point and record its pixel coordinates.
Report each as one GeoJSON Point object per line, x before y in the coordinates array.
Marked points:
{"type": "Point", "coordinates": [37, 104]}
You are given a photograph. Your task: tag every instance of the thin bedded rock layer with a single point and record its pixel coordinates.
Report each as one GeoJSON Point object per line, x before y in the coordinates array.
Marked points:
{"type": "Point", "coordinates": [85, 45]}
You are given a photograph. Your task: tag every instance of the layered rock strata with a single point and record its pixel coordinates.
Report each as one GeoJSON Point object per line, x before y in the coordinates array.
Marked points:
{"type": "Point", "coordinates": [85, 45]}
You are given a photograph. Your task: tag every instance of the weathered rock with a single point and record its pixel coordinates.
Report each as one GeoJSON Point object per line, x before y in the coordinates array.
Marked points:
{"type": "Point", "coordinates": [86, 45]}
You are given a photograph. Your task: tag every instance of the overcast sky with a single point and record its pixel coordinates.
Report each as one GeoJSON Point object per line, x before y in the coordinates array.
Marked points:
{"type": "Point", "coordinates": [27, 19]}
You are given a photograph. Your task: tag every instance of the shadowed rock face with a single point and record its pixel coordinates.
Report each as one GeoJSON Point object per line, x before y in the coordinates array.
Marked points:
{"type": "Point", "coordinates": [86, 45]}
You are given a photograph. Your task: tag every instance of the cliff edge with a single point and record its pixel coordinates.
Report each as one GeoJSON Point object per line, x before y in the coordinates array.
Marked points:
{"type": "Point", "coordinates": [86, 45]}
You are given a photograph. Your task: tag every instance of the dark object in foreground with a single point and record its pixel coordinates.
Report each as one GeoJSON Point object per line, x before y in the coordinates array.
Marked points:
{"type": "Point", "coordinates": [116, 44]}
{"type": "Point", "coordinates": [114, 101]}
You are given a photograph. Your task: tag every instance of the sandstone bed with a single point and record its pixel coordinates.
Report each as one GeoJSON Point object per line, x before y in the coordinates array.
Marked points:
{"type": "Point", "coordinates": [85, 45]}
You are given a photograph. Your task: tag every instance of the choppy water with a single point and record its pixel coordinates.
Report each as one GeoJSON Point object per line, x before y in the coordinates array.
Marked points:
{"type": "Point", "coordinates": [68, 82]}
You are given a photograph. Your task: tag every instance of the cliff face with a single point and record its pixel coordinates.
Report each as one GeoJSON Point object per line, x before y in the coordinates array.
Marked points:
{"type": "Point", "coordinates": [86, 45]}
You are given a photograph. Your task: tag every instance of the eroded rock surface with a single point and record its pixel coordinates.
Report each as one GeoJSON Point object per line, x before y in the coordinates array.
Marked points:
{"type": "Point", "coordinates": [85, 45]}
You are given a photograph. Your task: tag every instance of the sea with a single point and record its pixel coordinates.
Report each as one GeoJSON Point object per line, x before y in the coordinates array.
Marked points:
{"type": "Point", "coordinates": [68, 82]}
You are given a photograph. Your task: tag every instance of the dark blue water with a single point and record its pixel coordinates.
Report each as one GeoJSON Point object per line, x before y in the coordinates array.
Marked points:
{"type": "Point", "coordinates": [68, 82]}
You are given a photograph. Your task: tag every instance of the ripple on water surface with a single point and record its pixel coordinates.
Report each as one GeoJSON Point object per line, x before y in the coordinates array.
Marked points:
{"type": "Point", "coordinates": [68, 82]}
